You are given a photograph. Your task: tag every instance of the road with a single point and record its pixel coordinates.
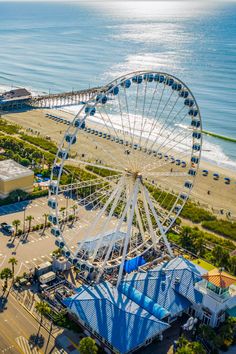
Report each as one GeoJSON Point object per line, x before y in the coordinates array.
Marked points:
{"type": "Point", "coordinates": [17, 326]}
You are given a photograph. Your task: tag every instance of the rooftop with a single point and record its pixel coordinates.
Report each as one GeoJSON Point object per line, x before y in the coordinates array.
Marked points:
{"type": "Point", "coordinates": [219, 278]}
{"type": "Point", "coordinates": [115, 317]}
{"type": "Point", "coordinates": [130, 315]}
{"type": "Point", "coordinates": [20, 93]}
{"type": "Point", "coordinates": [10, 170]}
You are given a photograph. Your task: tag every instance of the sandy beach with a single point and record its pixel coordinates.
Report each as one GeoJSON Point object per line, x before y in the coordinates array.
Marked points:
{"type": "Point", "coordinates": [209, 193]}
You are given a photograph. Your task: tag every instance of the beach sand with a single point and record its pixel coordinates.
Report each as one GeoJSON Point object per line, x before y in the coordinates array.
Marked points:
{"type": "Point", "coordinates": [221, 197]}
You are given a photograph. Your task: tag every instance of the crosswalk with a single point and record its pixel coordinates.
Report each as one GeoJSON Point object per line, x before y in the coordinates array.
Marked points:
{"type": "Point", "coordinates": [23, 343]}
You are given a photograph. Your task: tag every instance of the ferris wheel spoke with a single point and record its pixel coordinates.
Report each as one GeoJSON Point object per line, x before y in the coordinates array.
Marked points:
{"type": "Point", "coordinates": [153, 98]}
{"type": "Point", "coordinates": [108, 202]}
{"type": "Point", "coordinates": [140, 222]}
{"type": "Point", "coordinates": [149, 221]}
{"type": "Point", "coordinates": [167, 137]}
{"type": "Point", "coordinates": [119, 224]}
{"type": "Point", "coordinates": [81, 162]}
{"type": "Point", "coordinates": [107, 221]}
{"type": "Point", "coordinates": [135, 112]}
{"type": "Point", "coordinates": [115, 132]}
{"type": "Point", "coordinates": [167, 118]}
{"type": "Point", "coordinates": [166, 174]}
{"type": "Point", "coordinates": [158, 222]}
{"type": "Point", "coordinates": [155, 120]}
{"type": "Point", "coordinates": [98, 216]}
{"type": "Point", "coordinates": [166, 125]}
{"type": "Point", "coordinates": [161, 164]}
{"type": "Point", "coordinates": [143, 109]}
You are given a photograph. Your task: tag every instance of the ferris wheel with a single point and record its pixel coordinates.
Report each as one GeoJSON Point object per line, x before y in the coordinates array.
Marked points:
{"type": "Point", "coordinates": [132, 153]}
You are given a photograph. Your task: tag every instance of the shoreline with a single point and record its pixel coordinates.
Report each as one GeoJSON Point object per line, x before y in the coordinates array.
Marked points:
{"type": "Point", "coordinates": [221, 197]}
{"type": "Point", "coordinates": [216, 167]}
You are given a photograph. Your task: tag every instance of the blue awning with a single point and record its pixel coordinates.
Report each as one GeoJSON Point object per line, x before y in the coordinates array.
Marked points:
{"type": "Point", "coordinates": [133, 264]}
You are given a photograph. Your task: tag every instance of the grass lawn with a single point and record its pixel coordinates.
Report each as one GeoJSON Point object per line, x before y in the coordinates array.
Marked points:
{"type": "Point", "coordinates": [203, 264]}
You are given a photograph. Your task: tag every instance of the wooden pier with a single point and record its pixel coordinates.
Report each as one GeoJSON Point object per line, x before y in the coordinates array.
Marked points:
{"type": "Point", "coordinates": [65, 98]}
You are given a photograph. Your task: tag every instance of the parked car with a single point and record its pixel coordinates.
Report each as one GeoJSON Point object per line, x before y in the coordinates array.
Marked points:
{"type": "Point", "coordinates": [7, 228]}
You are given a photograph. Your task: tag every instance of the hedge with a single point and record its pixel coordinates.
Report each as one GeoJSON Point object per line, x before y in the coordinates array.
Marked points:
{"type": "Point", "coordinates": [41, 142]}
{"type": "Point", "coordinates": [8, 128]}
{"type": "Point", "coordinates": [221, 227]}
{"type": "Point", "coordinates": [196, 214]}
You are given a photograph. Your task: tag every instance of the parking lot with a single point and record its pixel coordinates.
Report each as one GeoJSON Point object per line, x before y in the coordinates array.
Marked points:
{"type": "Point", "coordinates": [37, 247]}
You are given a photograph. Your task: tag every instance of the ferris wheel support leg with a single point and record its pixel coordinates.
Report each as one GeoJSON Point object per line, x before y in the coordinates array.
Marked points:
{"type": "Point", "coordinates": [129, 229]}
{"type": "Point", "coordinates": [140, 224]}
{"type": "Point", "coordinates": [121, 220]}
{"type": "Point", "coordinates": [158, 222]}
{"type": "Point", "coordinates": [116, 200]}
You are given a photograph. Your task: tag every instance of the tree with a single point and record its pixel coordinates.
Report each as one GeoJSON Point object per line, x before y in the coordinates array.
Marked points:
{"type": "Point", "coordinates": [88, 345]}
{"type": "Point", "coordinates": [232, 264]}
{"type": "Point", "coordinates": [29, 218]}
{"type": "Point", "coordinates": [220, 256]}
{"type": "Point", "coordinates": [186, 239]}
{"type": "Point", "coordinates": [42, 308]}
{"type": "Point", "coordinates": [6, 274]}
{"type": "Point", "coordinates": [74, 207]}
{"type": "Point", "coordinates": [25, 162]}
{"type": "Point", "coordinates": [199, 246]}
{"type": "Point", "coordinates": [187, 347]}
{"type": "Point", "coordinates": [16, 223]}
{"type": "Point", "coordinates": [13, 261]}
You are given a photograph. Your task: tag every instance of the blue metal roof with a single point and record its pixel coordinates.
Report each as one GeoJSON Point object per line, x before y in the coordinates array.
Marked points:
{"type": "Point", "coordinates": [161, 292]}
{"type": "Point", "coordinates": [170, 285]}
{"type": "Point", "coordinates": [119, 320]}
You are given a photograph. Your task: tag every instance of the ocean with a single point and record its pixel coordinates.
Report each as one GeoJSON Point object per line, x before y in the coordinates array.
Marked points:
{"type": "Point", "coordinates": [52, 47]}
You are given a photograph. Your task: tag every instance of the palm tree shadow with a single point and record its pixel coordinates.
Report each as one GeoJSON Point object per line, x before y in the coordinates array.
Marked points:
{"type": "Point", "coordinates": [3, 303]}
{"type": "Point", "coordinates": [36, 340]}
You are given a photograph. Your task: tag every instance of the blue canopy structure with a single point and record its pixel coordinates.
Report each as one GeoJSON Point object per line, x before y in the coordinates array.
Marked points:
{"type": "Point", "coordinates": [144, 301]}
{"type": "Point", "coordinates": [133, 264]}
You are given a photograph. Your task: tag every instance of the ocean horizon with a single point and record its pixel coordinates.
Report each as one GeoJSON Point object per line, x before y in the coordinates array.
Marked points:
{"type": "Point", "coordinates": [55, 47]}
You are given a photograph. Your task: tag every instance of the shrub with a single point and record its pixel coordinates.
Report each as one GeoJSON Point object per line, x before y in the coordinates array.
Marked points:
{"type": "Point", "coordinates": [8, 128]}
{"type": "Point", "coordinates": [221, 227]}
{"type": "Point", "coordinates": [101, 171]}
{"type": "Point", "coordinates": [196, 214]}
{"type": "Point", "coordinates": [41, 142]}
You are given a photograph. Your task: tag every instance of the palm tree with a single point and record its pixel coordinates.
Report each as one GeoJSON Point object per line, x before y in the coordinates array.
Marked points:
{"type": "Point", "coordinates": [42, 308]}
{"type": "Point", "coordinates": [29, 218]}
{"type": "Point", "coordinates": [6, 274]}
{"type": "Point", "coordinates": [16, 223]}
{"type": "Point", "coordinates": [74, 207]}
{"type": "Point", "coordinates": [62, 210]}
{"type": "Point", "coordinates": [13, 261]}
